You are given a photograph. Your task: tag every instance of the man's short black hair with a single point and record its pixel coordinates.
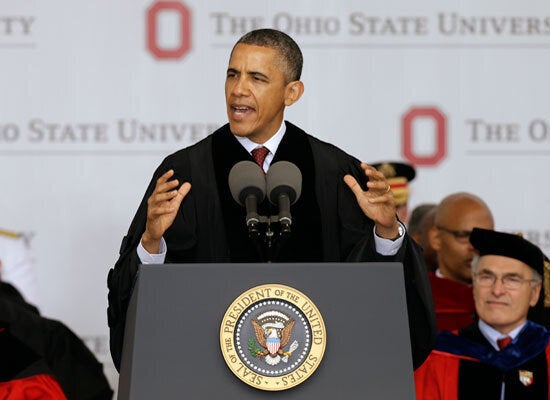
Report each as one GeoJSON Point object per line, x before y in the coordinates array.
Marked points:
{"type": "Point", "coordinates": [418, 215]}
{"type": "Point", "coordinates": [290, 52]}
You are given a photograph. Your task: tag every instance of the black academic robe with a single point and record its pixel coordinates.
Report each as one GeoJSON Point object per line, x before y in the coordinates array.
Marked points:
{"type": "Point", "coordinates": [23, 371]}
{"type": "Point", "coordinates": [34, 346]}
{"type": "Point", "coordinates": [328, 225]}
{"type": "Point", "coordinates": [465, 366]}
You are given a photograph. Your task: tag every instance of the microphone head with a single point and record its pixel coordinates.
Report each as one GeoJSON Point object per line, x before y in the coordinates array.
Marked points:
{"type": "Point", "coordinates": [284, 177]}
{"type": "Point", "coordinates": [246, 178]}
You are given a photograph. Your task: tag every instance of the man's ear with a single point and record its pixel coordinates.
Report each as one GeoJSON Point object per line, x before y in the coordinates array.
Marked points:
{"type": "Point", "coordinates": [434, 238]}
{"type": "Point", "coordinates": [535, 293]}
{"type": "Point", "coordinates": [293, 92]}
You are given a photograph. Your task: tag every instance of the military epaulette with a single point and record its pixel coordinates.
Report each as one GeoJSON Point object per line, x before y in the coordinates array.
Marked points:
{"type": "Point", "coordinates": [12, 234]}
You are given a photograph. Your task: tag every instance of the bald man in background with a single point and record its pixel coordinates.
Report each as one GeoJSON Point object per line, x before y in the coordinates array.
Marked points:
{"type": "Point", "coordinates": [456, 216]}
{"type": "Point", "coordinates": [504, 355]}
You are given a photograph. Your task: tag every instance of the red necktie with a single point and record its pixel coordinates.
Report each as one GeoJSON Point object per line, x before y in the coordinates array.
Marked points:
{"type": "Point", "coordinates": [502, 343]}
{"type": "Point", "coordinates": [259, 154]}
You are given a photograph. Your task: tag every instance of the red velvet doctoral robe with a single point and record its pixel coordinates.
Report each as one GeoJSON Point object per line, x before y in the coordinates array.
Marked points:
{"type": "Point", "coordinates": [41, 358]}
{"type": "Point", "coordinates": [465, 366]}
{"type": "Point", "coordinates": [453, 302]}
{"type": "Point", "coordinates": [36, 387]}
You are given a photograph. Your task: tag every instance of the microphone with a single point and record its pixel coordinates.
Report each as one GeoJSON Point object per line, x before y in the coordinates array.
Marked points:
{"type": "Point", "coordinates": [247, 184]}
{"type": "Point", "coordinates": [284, 186]}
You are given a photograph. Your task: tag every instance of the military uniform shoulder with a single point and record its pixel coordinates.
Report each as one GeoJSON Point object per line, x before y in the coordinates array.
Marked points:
{"type": "Point", "coordinates": [10, 234]}
{"type": "Point", "coordinates": [9, 237]}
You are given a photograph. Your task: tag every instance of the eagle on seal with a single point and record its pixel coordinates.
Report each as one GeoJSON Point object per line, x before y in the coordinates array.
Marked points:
{"type": "Point", "coordinates": [273, 338]}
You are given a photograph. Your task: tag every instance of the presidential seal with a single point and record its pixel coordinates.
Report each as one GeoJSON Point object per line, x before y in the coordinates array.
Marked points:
{"type": "Point", "coordinates": [272, 337]}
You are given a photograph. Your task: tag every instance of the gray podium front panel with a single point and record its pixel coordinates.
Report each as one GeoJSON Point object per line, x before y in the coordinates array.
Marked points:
{"type": "Point", "coordinates": [172, 348]}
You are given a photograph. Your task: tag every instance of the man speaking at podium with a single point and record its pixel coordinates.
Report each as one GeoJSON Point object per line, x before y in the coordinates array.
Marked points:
{"type": "Point", "coordinates": [345, 212]}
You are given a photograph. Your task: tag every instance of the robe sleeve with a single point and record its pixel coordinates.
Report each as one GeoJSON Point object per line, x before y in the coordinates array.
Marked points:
{"type": "Point", "coordinates": [348, 235]}
{"type": "Point", "coordinates": [437, 378]}
{"type": "Point", "coordinates": [422, 325]}
{"type": "Point", "coordinates": [38, 345]}
{"type": "Point", "coordinates": [420, 307]}
{"type": "Point", "coordinates": [121, 278]}
{"type": "Point", "coordinates": [181, 238]}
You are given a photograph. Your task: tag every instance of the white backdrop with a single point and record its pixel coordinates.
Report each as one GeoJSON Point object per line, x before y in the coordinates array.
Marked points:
{"type": "Point", "coordinates": [94, 94]}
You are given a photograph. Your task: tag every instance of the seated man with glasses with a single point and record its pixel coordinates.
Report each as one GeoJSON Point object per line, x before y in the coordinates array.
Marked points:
{"type": "Point", "coordinates": [455, 217]}
{"type": "Point", "coordinates": [503, 355]}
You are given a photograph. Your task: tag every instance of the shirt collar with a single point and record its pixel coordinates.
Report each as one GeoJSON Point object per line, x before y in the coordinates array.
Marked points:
{"type": "Point", "coordinates": [492, 335]}
{"type": "Point", "coordinates": [272, 144]}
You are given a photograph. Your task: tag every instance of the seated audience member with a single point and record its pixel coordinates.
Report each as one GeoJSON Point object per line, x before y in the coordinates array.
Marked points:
{"type": "Point", "coordinates": [18, 265]}
{"type": "Point", "coordinates": [41, 358]}
{"type": "Point", "coordinates": [421, 221]}
{"type": "Point", "coordinates": [456, 216]}
{"type": "Point", "coordinates": [503, 356]}
{"type": "Point", "coordinates": [398, 175]}
{"type": "Point", "coordinates": [23, 374]}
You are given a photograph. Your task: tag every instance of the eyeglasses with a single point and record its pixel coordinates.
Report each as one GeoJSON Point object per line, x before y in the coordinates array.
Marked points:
{"type": "Point", "coordinates": [511, 282]}
{"type": "Point", "coordinates": [462, 236]}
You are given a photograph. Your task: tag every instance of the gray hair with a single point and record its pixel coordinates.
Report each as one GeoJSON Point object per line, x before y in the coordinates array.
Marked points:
{"type": "Point", "coordinates": [536, 276]}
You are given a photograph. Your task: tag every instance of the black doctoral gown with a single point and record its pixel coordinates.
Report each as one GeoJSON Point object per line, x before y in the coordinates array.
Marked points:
{"type": "Point", "coordinates": [34, 346]}
{"type": "Point", "coordinates": [328, 225]}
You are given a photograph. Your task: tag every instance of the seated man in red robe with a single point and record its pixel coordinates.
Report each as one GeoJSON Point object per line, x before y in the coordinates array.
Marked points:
{"type": "Point", "coordinates": [456, 216]}
{"type": "Point", "coordinates": [503, 355]}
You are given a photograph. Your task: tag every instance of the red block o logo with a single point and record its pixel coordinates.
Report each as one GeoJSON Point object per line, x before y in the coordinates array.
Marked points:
{"type": "Point", "coordinates": [184, 29]}
{"type": "Point", "coordinates": [440, 134]}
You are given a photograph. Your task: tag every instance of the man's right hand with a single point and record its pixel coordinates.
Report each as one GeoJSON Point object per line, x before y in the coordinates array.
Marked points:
{"type": "Point", "coordinates": [162, 207]}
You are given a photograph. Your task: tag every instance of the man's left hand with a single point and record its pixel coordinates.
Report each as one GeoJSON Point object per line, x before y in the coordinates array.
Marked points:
{"type": "Point", "coordinates": [377, 202]}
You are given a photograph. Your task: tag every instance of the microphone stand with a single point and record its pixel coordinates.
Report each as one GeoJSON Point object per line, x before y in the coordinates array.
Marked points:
{"type": "Point", "coordinates": [269, 234]}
